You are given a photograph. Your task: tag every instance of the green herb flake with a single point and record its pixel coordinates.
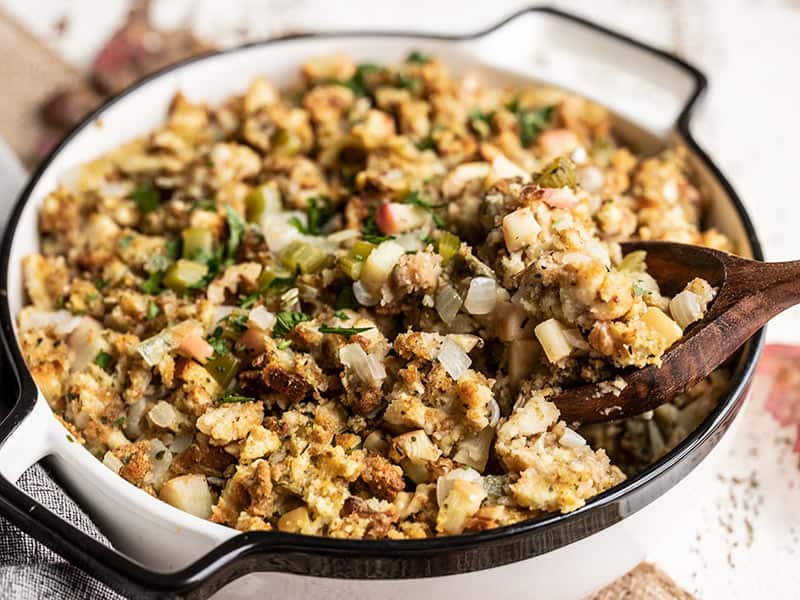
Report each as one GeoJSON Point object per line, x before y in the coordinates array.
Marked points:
{"type": "Point", "coordinates": [418, 58]}
{"type": "Point", "coordinates": [173, 248]}
{"type": "Point", "coordinates": [415, 199]}
{"type": "Point", "coordinates": [407, 82]}
{"type": "Point", "coordinates": [318, 214]}
{"type": "Point", "coordinates": [146, 197]}
{"type": "Point", "coordinates": [376, 239]}
{"type": "Point", "coordinates": [638, 290]}
{"type": "Point", "coordinates": [532, 123]}
{"type": "Point", "coordinates": [246, 301]}
{"type": "Point", "coordinates": [236, 227]}
{"type": "Point", "coordinates": [233, 397]}
{"type": "Point", "coordinates": [286, 321]}
{"type": "Point", "coordinates": [90, 297]}
{"type": "Point", "coordinates": [204, 204]}
{"type": "Point", "coordinates": [340, 314]}
{"type": "Point", "coordinates": [103, 360]}
{"type": "Point", "coordinates": [120, 422]}
{"type": "Point", "coordinates": [284, 344]}
{"type": "Point", "coordinates": [345, 332]}
{"type": "Point", "coordinates": [345, 299]}
{"type": "Point", "coordinates": [358, 82]}
{"type": "Point", "coordinates": [125, 241]}
{"type": "Point", "coordinates": [426, 143]}
{"type": "Point", "coordinates": [152, 310]}
{"type": "Point", "coordinates": [101, 283]}
{"type": "Point", "coordinates": [70, 439]}
{"type": "Point", "coordinates": [152, 285]}
{"type": "Point", "coordinates": [216, 341]}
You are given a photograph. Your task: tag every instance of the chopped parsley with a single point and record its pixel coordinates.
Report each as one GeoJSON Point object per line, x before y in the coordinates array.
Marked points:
{"type": "Point", "coordinates": [125, 241]}
{"type": "Point", "coordinates": [480, 122]}
{"type": "Point", "coordinates": [532, 122]}
{"type": "Point", "coordinates": [279, 283]}
{"type": "Point", "coordinates": [203, 204]}
{"type": "Point", "coordinates": [90, 297]}
{"type": "Point", "coordinates": [318, 214]}
{"type": "Point", "coordinates": [345, 332]}
{"type": "Point", "coordinates": [638, 290]}
{"type": "Point", "coordinates": [236, 227]}
{"type": "Point", "coordinates": [426, 143]}
{"type": "Point", "coordinates": [103, 360]}
{"type": "Point", "coordinates": [146, 197]}
{"type": "Point", "coordinates": [152, 310]}
{"type": "Point", "coordinates": [345, 299]}
{"type": "Point", "coordinates": [120, 422]}
{"type": "Point", "coordinates": [152, 285]}
{"type": "Point", "coordinates": [173, 248]}
{"type": "Point", "coordinates": [407, 82]}
{"type": "Point", "coordinates": [70, 439]}
{"type": "Point", "coordinates": [101, 283]}
{"type": "Point", "coordinates": [286, 321]}
{"type": "Point", "coordinates": [284, 344]}
{"type": "Point", "coordinates": [216, 341]}
{"type": "Point", "coordinates": [230, 397]}
{"type": "Point", "coordinates": [358, 82]}
{"type": "Point", "coordinates": [246, 301]}
{"type": "Point", "coordinates": [414, 199]}
{"type": "Point", "coordinates": [418, 58]}
{"type": "Point", "coordinates": [340, 314]}
{"type": "Point", "coordinates": [376, 239]}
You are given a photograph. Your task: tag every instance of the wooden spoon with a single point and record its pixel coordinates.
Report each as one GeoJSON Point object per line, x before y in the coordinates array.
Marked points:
{"type": "Point", "coordinates": [749, 293]}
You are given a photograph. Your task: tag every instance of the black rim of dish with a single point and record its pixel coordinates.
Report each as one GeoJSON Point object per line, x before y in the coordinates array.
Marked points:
{"type": "Point", "coordinates": [270, 551]}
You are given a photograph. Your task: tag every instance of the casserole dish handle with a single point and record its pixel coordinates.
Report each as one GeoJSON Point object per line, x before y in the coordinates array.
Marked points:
{"type": "Point", "coordinates": [654, 88]}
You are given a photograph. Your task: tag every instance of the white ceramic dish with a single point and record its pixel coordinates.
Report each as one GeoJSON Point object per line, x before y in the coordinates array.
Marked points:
{"type": "Point", "coordinates": [160, 549]}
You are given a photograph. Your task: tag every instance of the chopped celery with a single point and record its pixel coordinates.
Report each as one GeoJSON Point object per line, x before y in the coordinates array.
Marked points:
{"type": "Point", "coordinates": [262, 200]}
{"type": "Point", "coordinates": [303, 256]}
{"type": "Point", "coordinates": [560, 172]}
{"type": "Point", "coordinates": [275, 278]}
{"type": "Point", "coordinates": [223, 368]}
{"type": "Point", "coordinates": [361, 250]}
{"type": "Point", "coordinates": [449, 245]}
{"type": "Point", "coordinates": [351, 266]}
{"type": "Point", "coordinates": [285, 142]}
{"type": "Point", "coordinates": [184, 274]}
{"type": "Point", "coordinates": [197, 241]}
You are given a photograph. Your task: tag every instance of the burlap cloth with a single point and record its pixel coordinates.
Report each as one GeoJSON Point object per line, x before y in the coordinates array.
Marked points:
{"type": "Point", "coordinates": [29, 72]}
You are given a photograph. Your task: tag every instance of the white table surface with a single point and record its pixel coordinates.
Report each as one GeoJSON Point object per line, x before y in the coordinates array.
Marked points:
{"type": "Point", "coordinates": [743, 539]}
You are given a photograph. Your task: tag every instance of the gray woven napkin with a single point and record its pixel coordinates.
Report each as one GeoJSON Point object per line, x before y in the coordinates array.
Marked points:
{"type": "Point", "coordinates": [28, 569]}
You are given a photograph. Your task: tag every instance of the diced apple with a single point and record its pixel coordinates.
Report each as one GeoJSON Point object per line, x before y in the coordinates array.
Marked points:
{"type": "Point", "coordinates": [190, 493]}
{"type": "Point", "coordinates": [393, 217]}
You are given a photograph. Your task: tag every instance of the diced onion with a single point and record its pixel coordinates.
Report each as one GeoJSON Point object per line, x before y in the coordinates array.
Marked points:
{"type": "Point", "coordinates": [445, 483]}
{"type": "Point", "coordinates": [222, 312]}
{"type": "Point", "coordinates": [474, 449]}
{"type": "Point", "coordinates": [260, 318]}
{"type": "Point", "coordinates": [363, 296]}
{"type": "Point", "coordinates": [411, 242]}
{"type": "Point", "coordinates": [591, 179]}
{"type": "Point", "coordinates": [154, 349]}
{"type": "Point", "coordinates": [494, 412]}
{"type": "Point", "coordinates": [551, 336]}
{"type": "Point", "coordinates": [448, 303]}
{"type": "Point", "coordinates": [481, 296]}
{"type": "Point", "coordinates": [685, 308]}
{"type": "Point", "coordinates": [571, 439]}
{"type": "Point", "coordinates": [520, 229]}
{"type": "Point", "coordinates": [453, 358]}
{"type": "Point", "coordinates": [366, 367]}
{"type": "Point", "coordinates": [181, 442]}
{"type": "Point", "coordinates": [112, 462]}
{"type": "Point", "coordinates": [133, 419]}
{"type": "Point", "coordinates": [160, 460]}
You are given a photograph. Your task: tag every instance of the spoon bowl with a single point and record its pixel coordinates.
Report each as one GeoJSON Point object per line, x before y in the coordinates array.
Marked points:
{"type": "Point", "coordinates": [749, 294]}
